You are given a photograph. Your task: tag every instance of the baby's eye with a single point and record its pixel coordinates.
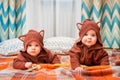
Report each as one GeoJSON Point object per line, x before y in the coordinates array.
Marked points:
{"type": "Point", "coordinates": [36, 45]}
{"type": "Point", "coordinates": [86, 34]}
{"type": "Point", "coordinates": [29, 45]}
{"type": "Point", "coordinates": [93, 35]}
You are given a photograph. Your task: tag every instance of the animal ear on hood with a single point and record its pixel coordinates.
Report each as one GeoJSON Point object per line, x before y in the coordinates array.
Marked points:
{"type": "Point", "coordinates": [79, 25]}
{"type": "Point", "coordinates": [22, 37]}
{"type": "Point", "coordinates": [98, 23]}
{"type": "Point", "coordinates": [42, 33]}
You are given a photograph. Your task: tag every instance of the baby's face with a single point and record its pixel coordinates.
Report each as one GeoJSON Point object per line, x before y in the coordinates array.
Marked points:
{"type": "Point", "coordinates": [33, 48]}
{"type": "Point", "coordinates": [90, 38]}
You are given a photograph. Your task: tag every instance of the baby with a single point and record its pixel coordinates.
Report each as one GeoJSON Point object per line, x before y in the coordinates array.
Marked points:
{"type": "Point", "coordinates": [88, 49]}
{"type": "Point", "coordinates": [34, 51]}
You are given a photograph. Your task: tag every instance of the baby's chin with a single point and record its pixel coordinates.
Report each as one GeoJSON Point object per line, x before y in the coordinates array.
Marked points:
{"type": "Point", "coordinates": [34, 55]}
{"type": "Point", "coordinates": [89, 46]}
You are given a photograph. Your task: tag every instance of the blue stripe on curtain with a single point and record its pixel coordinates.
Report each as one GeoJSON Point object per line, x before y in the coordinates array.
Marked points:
{"type": "Point", "coordinates": [107, 12]}
{"type": "Point", "coordinates": [12, 18]}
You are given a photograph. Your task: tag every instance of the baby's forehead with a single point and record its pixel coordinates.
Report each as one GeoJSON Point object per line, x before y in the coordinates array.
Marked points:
{"type": "Point", "coordinates": [91, 31]}
{"type": "Point", "coordinates": [33, 42]}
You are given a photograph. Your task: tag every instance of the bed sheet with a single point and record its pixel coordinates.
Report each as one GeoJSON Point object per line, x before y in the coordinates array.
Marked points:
{"type": "Point", "coordinates": [90, 73]}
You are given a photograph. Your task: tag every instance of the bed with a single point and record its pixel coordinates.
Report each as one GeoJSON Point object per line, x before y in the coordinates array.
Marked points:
{"type": "Point", "coordinates": [60, 73]}
{"type": "Point", "coordinates": [90, 73]}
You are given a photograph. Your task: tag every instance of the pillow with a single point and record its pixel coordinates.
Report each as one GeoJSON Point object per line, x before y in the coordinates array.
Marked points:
{"type": "Point", "coordinates": [57, 44]}
{"type": "Point", "coordinates": [11, 46]}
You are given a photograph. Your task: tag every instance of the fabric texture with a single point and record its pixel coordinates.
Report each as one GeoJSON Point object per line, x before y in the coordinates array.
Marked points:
{"type": "Point", "coordinates": [12, 19]}
{"type": "Point", "coordinates": [11, 46]}
{"type": "Point", "coordinates": [58, 44]}
{"type": "Point", "coordinates": [94, 55]}
{"type": "Point", "coordinates": [7, 72]}
{"type": "Point", "coordinates": [59, 21]}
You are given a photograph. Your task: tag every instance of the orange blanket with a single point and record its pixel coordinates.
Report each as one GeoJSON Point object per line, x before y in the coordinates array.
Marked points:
{"type": "Point", "coordinates": [98, 73]}
{"type": "Point", "coordinates": [89, 73]}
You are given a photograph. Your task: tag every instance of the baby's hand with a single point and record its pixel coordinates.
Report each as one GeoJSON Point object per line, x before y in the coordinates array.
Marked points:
{"type": "Point", "coordinates": [28, 64]}
{"type": "Point", "coordinates": [79, 70]}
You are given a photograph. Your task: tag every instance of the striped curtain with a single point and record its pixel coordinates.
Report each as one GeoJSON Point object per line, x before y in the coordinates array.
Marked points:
{"type": "Point", "coordinates": [108, 13]}
{"type": "Point", "coordinates": [12, 18]}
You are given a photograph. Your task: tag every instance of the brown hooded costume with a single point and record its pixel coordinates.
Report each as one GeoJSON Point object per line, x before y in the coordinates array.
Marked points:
{"type": "Point", "coordinates": [45, 55]}
{"type": "Point", "coordinates": [81, 54]}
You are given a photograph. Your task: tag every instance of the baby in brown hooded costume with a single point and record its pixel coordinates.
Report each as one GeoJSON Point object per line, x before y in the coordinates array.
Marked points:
{"type": "Point", "coordinates": [88, 49]}
{"type": "Point", "coordinates": [34, 51]}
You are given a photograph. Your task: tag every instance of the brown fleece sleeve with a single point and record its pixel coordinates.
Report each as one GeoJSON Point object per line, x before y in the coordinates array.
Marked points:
{"type": "Point", "coordinates": [102, 58]}
{"type": "Point", "coordinates": [74, 57]}
{"type": "Point", "coordinates": [105, 58]}
{"type": "Point", "coordinates": [19, 62]}
{"type": "Point", "coordinates": [53, 58]}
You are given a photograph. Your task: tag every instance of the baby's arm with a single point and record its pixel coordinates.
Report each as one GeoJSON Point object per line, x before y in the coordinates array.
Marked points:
{"type": "Point", "coordinates": [74, 59]}
{"type": "Point", "coordinates": [53, 58]}
{"type": "Point", "coordinates": [74, 56]}
{"type": "Point", "coordinates": [20, 63]}
{"type": "Point", "coordinates": [102, 57]}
